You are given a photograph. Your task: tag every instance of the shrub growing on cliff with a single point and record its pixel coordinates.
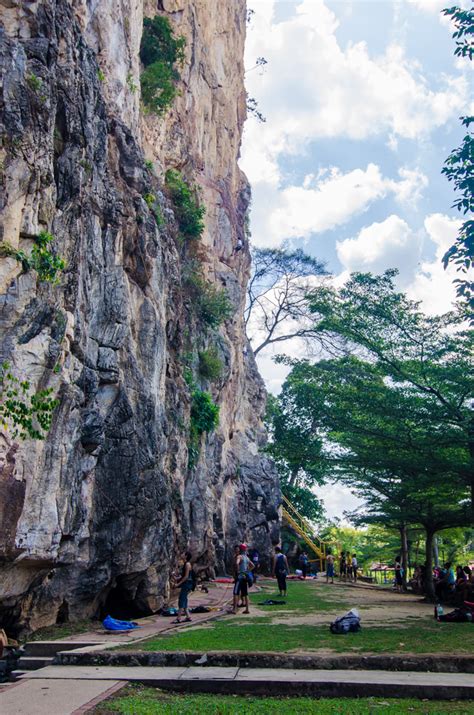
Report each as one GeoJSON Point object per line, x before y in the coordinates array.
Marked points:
{"type": "Point", "coordinates": [189, 214]}
{"type": "Point", "coordinates": [23, 413]}
{"type": "Point", "coordinates": [47, 264]}
{"type": "Point", "coordinates": [210, 364]}
{"type": "Point", "coordinates": [210, 303]}
{"type": "Point", "coordinates": [204, 418]}
{"type": "Point", "coordinates": [161, 52]}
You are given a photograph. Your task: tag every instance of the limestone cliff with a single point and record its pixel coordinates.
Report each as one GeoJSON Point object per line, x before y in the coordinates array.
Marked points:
{"type": "Point", "coordinates": [94, 516]}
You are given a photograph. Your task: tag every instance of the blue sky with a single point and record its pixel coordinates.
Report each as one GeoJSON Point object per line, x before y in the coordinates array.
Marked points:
{"type": "Point", "coordinates": [362, 100]}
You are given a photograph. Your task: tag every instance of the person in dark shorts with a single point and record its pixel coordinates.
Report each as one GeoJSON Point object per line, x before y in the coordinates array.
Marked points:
{"type": "Point", "coordinates": [398, 575]}
{"type": "Point", "coordinates": [186, 583]}
{"type": "Point", "coordinates": [303, 562]}
{"type": "Point", "coordinates": [329, 568]}
{"type": "Point", "coordinates": [280, 570]}
{"type": "Point", "coordinates": [243, 567]}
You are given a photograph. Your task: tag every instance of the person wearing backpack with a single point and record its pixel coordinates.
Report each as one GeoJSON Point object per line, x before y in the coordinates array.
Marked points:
{"type": "Point", "coordinates": [280, 570]}
{"type": "Point", "coordinates": [243, 569]}
{"type": "Point", "coordinates": [187, 583]}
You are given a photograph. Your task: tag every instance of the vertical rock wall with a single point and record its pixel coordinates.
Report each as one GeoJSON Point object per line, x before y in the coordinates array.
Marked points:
{"type": "Point", "coordinates": [95, 516]}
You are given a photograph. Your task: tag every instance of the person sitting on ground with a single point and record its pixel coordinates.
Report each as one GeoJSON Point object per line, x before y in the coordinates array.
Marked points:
{"type": "Point", "coordinates": [354, 567]}
{"type": "Point", "coordinates": [461, 577]}
{"type": "Point", "coordinates": [329, 568]}
{"type": "Point", "coordinates": [185, 583]}
{"type": "Point", "coordinates": [241, 589]}
{"type": "Point", "coordinates": [303, 562]}
{"type": "Point", "coordinates": [447, 583]}
{"type": "Point", "coordinates": [280, 570]}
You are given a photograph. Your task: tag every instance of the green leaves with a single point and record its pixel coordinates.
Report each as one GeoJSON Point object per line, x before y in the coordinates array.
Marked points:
{"type": "Point", "coordinates": [204, 418]}
{"type": "Point", "coordinates": [459, 168]}
{"type": "Point", "coordinates": [46, 263]}
{"type": "Point", "coordinates": [160, 52]}
{"type": "Point", "coordinates": [189, 214]}
{"type": "Point", "coordinates": [23, 413]}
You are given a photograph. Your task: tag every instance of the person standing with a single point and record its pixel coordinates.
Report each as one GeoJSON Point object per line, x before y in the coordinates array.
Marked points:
{"type": "Point", "coordinates": [342, 566]}
{"type": "Point", "coordinates": [349, 565]}
{"type": "Point", "coordinates": [186, 584]}
{"type": "Point", "coordinates": [355, 566]}
{"type": "Point", "coordinates": [329, 568]}
{"type": "Point", "coordinates": [280, 570]}
{"type": "Point", "coordinates": [303, 563]}
{"type": "Point", "coordinates": [243, 567]}
{"type": "Point", "coordinates": [255, 557]}
{"type": "Point", "coordinates": [398, 575]}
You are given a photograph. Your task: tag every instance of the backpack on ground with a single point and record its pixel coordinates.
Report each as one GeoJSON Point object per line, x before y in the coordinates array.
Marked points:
{"type": "Point", "coordinates": [348, 623]}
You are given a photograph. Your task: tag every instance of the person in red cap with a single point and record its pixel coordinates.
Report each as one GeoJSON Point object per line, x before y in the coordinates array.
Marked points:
{"type": "Point", "coordinates": [243, 567]}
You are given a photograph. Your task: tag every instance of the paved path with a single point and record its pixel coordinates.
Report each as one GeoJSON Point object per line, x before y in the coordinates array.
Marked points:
{"type": "Point", "coordinates": [260, 680]}
{"type": "Point", "coordinates": [54, 697]}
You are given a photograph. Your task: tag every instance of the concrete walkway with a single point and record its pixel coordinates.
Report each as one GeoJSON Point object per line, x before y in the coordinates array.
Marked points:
{"type": "Point", "coordinates": [338, 683]}
{"type": "Point", "coordinates": [55, 697]}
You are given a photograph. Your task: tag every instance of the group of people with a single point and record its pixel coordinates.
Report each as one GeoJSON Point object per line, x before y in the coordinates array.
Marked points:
{"type": "Point", "coordinates": [245, 574]}
{"type": "Point", "coordinates": [348, 566]}
{"type": "Point", "coordinates": [450, 583]}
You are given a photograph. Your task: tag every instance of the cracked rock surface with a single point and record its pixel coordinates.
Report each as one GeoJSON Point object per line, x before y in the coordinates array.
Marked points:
{"type": "Point", "coordinates": [95, 517]}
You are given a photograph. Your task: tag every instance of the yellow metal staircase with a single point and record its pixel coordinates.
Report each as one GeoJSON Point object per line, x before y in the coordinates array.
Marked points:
{"type": "Point", "coordinates": [303, 528]}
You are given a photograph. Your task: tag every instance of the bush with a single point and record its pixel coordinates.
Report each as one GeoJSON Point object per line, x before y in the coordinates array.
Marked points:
{"type": "Point", "coordinates": [210, 364]}
{"type": "Point", "coordinates": [211, 304]}
{"type": "Point", "coordinates": [160, 52]}
{"type": "Point", "coordinates": [189, 214]}
{"type": "Point", "coordinates": [204, 412]}
{"type": "Point", "coordinates": [204, 418]}
{"type": "Point", "coordinates": [46, 264]}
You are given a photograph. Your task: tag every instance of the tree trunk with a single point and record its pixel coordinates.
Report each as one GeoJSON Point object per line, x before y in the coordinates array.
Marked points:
{"type": "Point", "coordinates": [404, 545]}
{"type": "Point", "coordinates": [435, 551]}
{"type": "Point", "coordinates": [429, 585]}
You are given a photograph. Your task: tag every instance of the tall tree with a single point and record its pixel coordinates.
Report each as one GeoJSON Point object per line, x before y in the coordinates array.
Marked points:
{"type": "Point", "coordinates": [426, 359]}
{"type": "Point", "coordinates": [384, 441]}
{"type": "Point", "coordinates": [277, 305]}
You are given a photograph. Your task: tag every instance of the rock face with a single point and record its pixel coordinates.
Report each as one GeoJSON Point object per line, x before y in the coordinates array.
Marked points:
{"type": "Point", "coordinates": [95, 517]}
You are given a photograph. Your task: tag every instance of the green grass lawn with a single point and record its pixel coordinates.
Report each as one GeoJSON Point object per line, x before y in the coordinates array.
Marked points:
{"type": "Point", "coordinates": [302, 598]}
{"type": "Point", "coordinates": [138, 700]}
{"type": "Point", "coordinates": [422, 636]}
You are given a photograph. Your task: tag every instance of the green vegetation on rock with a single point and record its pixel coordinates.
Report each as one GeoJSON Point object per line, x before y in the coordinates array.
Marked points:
{"type": "Point", "coordinates": [161, 53]}
{"type": "Point", "coordinates": [47, 264]}
{"type": "Point", "coordinates": [189, 214]}
{"type": "Point", "coordinates": [210, 364]}
{"type": "Point", "coordinates": [22, 412]}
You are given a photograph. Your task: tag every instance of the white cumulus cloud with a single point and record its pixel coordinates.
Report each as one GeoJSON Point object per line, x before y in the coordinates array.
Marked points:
{"type": "Point", "coordinates": [385, 244]}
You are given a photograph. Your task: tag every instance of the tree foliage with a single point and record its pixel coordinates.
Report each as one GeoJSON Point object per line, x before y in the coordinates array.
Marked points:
{"type": "Point", "coordinates": [277, 305]}
{"type": "Point", "coordinates": [296, 451]}
{"type": "Point", "coordinates": [459, 169]}
{"type": "Point", "coordinates": [393, 412]}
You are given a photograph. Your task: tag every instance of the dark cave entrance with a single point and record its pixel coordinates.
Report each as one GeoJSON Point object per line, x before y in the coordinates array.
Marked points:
{"type": "Point", "coordinates": [126, 600]}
